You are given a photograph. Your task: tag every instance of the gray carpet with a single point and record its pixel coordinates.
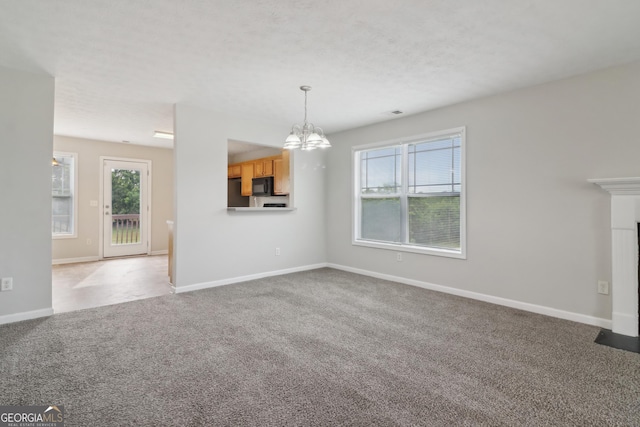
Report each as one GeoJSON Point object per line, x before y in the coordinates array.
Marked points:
{"type": "Point", "coordinates": [323, 347]}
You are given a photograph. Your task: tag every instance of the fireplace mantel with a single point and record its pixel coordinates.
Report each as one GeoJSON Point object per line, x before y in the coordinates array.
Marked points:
{"type": "Point", "coordinates": [625, 216]}
{"type": "Point", "coordinates": [619, 186]}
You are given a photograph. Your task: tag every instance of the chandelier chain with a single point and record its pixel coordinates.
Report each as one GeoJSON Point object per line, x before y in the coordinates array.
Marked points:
{"type": "Point", "coordinates": [305, 107]}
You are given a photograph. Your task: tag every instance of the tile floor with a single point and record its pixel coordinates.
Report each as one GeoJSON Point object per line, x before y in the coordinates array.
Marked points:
{"type": "Point", "coordinates": [94, 284]}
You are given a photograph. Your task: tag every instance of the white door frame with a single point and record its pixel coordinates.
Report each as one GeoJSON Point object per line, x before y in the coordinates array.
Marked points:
{"type": "Point", "coordinates": [101, 200]}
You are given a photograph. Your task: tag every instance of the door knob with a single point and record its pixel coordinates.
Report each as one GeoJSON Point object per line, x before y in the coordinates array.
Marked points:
{"type": "Point", "coordinates": [106, 213]}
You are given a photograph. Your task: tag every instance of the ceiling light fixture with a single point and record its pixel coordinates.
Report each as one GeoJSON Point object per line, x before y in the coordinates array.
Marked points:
{"type": "Point", "coordinates": [160, 134]}
{"type": "Point", "coordinates": [306, 137]}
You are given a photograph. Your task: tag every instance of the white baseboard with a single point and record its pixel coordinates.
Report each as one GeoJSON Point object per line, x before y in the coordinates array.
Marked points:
{"type": "Point", "coordinates": [539, 309]}
{"type": "Point", "coordinates": [96, 258]}
{"type": "Point", "coordinates": [25, 315]}
{"type": "Point", "coordinates": [74, 260]}
{"type": "Point", "coordinates": [205, 285]}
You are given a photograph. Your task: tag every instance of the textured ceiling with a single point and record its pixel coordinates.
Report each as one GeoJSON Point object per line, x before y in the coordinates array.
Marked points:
{"type": "Point", "coordinates": [120, 65]}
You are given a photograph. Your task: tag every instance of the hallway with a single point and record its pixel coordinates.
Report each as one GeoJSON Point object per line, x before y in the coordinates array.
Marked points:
{"type": "Point", "coordinates": [113, 281]}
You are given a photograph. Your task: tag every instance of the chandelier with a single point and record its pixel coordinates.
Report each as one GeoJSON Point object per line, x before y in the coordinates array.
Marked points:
{"type": "Point", "coordinates": [306, 137]}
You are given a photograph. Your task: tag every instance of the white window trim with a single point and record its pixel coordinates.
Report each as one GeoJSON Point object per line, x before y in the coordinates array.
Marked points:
{"type": "Point", "coordinates": [73, 235]}
{"type": "Point", "coordinates": [355, 208]}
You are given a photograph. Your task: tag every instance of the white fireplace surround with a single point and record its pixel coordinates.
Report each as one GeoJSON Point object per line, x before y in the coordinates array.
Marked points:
{"type": "Point", "coordinates": [625, 216]}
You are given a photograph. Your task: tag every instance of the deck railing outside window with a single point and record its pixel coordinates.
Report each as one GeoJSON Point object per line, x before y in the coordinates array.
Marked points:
{"type": "Point", "coordinates": [125, 229]}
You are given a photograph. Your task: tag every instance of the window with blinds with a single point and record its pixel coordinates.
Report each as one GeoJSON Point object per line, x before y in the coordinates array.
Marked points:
{"type": "Point", "coordinates": [63, 200]}
{"type": "Point", "coordinates": [409, 195]}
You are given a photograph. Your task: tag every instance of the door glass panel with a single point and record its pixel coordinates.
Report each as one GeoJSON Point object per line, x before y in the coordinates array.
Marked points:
{"type": "Point", "coordinates": [125, 200]}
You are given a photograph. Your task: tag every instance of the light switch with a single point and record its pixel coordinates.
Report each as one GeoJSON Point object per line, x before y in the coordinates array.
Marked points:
{"type": "Point", "coordinates": [93, 203]}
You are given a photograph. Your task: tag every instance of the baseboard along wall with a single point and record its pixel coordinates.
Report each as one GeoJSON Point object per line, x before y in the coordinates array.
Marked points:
{"type": "Point", "coordinates": [232, 280]}
{"type": "Point", "coordinates": [533, 308]}
{"type": "Point", "coordinates": [74, 260]}
{"type": "Point", "coordinates": [25, 315]}
{"type": "Point", "coordinates": [539, 309]}
{"type": "Point", "coordinates": [95, 258]}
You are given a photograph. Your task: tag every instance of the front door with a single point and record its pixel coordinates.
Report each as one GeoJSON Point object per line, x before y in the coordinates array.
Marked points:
{"type": "Point", "coordinates": [125, 208]}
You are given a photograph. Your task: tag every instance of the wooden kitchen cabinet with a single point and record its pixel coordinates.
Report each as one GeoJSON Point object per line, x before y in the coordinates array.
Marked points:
{"type": "Point", "coordinates": [268, 167]}
{"type": "Point", "coordinates": [263, 167]}
{"type": "Point", "coordinates": [234, 171]}
{"type": "Point", "coordinates": [246, 177]}
{"type": "Point", "coordinates": [258, 169]}
{"type": "Point", "coordinates": [276, 166]}
{"type": "Point", "coordinates": [281, 174]}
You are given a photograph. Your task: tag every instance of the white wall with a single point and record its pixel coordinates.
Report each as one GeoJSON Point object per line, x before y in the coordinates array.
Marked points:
{"type": "Point", "coordinates": [212, 244]}
{"type": "Point", "coordinates": [26, 134]}
{"type": "Point", "coordinates": [89, 169]}
{"type": "Point", "coordinates": [537, 232]}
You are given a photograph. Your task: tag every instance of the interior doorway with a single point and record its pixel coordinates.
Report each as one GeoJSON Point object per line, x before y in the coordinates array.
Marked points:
{"type": "Point", "coordinates": [126, 207]}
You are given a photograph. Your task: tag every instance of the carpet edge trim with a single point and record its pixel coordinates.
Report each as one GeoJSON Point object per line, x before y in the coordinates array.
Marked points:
{"type": "Point", "coordinates": [525, 306]}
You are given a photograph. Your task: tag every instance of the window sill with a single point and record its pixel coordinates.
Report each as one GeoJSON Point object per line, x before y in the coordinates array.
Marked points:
{"type": "Point", "coordinates": [64, 236]}
{"type": "Point", "coordinates": [260, 209]}
{"type": "Point", "coordinates": [412, 249]}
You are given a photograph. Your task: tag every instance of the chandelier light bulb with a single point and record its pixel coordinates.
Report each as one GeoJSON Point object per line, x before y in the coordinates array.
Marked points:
{"type": "Point", "coordinates": [324, 143]}
{"type": "Point", "coordinates": [292, 141]}
{"type": "Point", "coordinates": [314, 139]}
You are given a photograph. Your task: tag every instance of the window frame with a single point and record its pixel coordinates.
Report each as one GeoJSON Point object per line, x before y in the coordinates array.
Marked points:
{"type": "Point", "coordinates": [74, 197]}
{"type": "Point", "coordinates": [404, 195]}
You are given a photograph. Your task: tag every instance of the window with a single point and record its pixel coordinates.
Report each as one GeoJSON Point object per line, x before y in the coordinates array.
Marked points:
{"type": "Point", "coordinates": [409, 195]}
{"type": "Point", "coordinates": [63, 195]}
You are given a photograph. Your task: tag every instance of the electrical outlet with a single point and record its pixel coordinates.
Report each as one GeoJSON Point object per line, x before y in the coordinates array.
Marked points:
{"type": "Point", "coordinates": [277, 251]}
{"type": "Point", "coordinates": [399, 256]}
{"type": "Point", "coordinates": [89, 242]}
{"type": "Point", "coordinates": [7, 284]}
{"type": "Point", "coordinates": [603, 287]}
